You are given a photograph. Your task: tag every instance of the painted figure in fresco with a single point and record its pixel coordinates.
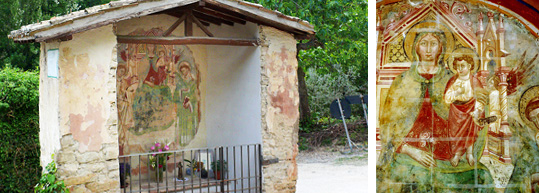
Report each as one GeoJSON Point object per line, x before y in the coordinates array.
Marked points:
{"type": "Point", "coordinates": [414, 132]}
{"type": "Point", "coordinates": [464, 110]}
{"type": "Point", "coordinates": [185, 100]}
{"type": "Point", "coordinates": [426, 78]}
{"type": "Point", "coordinates": [525, 175]}
{"type": "Point", "coordinates": [157, 77]}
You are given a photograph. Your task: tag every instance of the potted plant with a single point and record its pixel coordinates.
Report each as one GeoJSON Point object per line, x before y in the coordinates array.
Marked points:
{"type": "Point", "coordinates": [219, 168]}
{"type": "Point", "coordinates": [194, 166]}
{"type": "Point", "coordinates": [158, 160]}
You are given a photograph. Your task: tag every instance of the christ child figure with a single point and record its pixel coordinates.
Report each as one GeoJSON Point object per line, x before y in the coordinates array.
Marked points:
{"type": "Point", "coordinates": [464, 110]}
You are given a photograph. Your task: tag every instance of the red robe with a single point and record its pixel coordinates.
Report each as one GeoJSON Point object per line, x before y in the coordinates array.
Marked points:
{"type": "Point", "coordinates": [462, 129]}
{"type": "Point", "coordinates": [156, 77]}
{"type": "Point", "coordinates": [429, 132]}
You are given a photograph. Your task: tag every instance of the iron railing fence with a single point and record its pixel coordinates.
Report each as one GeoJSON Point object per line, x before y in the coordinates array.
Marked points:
{"type": "Point", "coordinates": [194, 170]}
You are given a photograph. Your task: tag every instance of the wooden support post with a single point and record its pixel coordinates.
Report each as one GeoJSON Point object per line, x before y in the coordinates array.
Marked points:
{"type": "Point", "coordinates": [188, 23]}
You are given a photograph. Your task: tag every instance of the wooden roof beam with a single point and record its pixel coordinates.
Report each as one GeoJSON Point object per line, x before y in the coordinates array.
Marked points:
{"type": "Point", "coordinates": [187, 40]}
{"type": "Point", "coordinates": [224, 11]}
{"type": "Point", "coordinates": [221, 15]}
{"type": "Point", "coordinates": [212, 19]}
{"type": "Point", "coordinates": [209, 21]}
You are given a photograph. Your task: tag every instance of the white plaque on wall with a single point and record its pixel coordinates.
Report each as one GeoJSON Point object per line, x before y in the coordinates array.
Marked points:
{"type": "Point", "coordinates": [52, 63]}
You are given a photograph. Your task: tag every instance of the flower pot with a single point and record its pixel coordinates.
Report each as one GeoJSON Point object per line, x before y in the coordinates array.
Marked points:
{"type": "Point", "coordinates": [218, 175]}
{"type": "Point", "coordinates": [157, 174]}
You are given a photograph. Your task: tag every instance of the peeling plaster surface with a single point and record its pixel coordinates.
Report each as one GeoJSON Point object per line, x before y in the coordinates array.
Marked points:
{"type": "Point", "coordinates": [88, 157]}
{"type": "Point", "coordinates": [280, 112]}
{"type": "Point", "coordinates": [84, 70]}
{"type": "Point", "coordinates": [49, 134]}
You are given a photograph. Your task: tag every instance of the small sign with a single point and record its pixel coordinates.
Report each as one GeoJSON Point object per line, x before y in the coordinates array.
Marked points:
{"type": "Point", "coordinates": [52, 63]}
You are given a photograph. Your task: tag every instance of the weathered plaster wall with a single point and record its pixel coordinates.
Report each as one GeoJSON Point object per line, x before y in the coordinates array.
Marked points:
{"type": "Point", "coordinates": [233, 105]}
{"type": "Point", "coordinates": [49, 125]}
{"type": "Point", "coordinates": [280, 112]}
{"type": "Point", "coordinates": [88, 158]}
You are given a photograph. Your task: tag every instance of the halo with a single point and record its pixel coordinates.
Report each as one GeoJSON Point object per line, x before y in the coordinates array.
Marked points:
{"type": "Point", "coordinates": [459, 52]}
{"type": "Point", "coordinates": [530, 94]}
{"type": "Point", "coordinates": [427, 26]}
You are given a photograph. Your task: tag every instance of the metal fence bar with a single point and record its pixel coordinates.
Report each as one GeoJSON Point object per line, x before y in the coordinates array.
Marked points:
{"type": "Point", "coordinates": [234, 152]}
{"type": "Point", "coordinates": [130, 179]}
{"type": "Point", "coordinates": [221, 159]}
{"type": "Point", "coordinates": [227, 184]}
{"type": "Point", "coordinates": [249, 168]}
{"type": "Point", "coordinates": [192, 172]}
{"type": "Point", "coordinates": [241, 161]}
{"type": "Point", "coordinates": [260, 166]}
{"type": "Point", "coordinates": [208, 171]}
{"type": "Point", "coordinates": [147, 170]}
{"type": "Point", "coordinates": [183, 180]}
{"type": "Point", "coordinates": [256, 169]}
{"type": "Point", "coordinates": [157, 173]}
{"type": "Point", "coordinates": [222, 169]}
{"type": "Point", "coordinates": [139, 171]}
{"type": "Point", "coordinates": [200, 174]}
{"type": "Point", "coordinates": [174, 173]}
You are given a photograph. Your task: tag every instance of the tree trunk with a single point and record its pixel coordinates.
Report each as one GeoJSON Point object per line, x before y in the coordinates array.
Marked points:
{"type": "Point", "coordinates": [304, 110]}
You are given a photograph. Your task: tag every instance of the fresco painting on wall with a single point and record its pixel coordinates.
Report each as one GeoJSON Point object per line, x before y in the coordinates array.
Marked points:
{"type": "Point", "coordinates": [158, 94]}
{"type": "Point", "coordinates": [457, 110]}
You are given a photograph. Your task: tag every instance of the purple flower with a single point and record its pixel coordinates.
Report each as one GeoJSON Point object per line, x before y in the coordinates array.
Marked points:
{"type": "Point", "coordinates": [157, 144]}
{"type": "Point", "coordinates": [166, 148]}
{"type": "Point", "coordinates": [160, 150]}
{"type": "Point", "coordinates": [152, 148]}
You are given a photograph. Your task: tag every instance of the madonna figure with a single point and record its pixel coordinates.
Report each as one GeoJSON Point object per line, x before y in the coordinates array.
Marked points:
{"type": "Point", "coordinates": [416, 147]}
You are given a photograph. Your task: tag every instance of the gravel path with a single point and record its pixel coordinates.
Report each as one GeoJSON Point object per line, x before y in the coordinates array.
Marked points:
{"type": "Point", "coordinates": [326, 170]}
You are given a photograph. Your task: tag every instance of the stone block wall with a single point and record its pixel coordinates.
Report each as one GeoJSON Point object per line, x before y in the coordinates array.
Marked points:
{"type": "Point", "coordinates": [280, 112]}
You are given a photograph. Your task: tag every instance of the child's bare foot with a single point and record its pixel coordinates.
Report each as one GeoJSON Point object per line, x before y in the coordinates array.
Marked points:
{"type": "Point", "coordinates": [455, 160]}
{"type": "Point", "coordinates": [469, 155]}
{"type": "Point", "coordinates": [470, 158]}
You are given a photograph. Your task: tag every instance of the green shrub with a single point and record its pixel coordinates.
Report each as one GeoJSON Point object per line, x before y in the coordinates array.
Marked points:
{"type": "Point", "coordinates": [19, 129]}
{"type": "Point", "coordinates": [324, 88]}
{"type": "Point", "coordinates": [49, 182]}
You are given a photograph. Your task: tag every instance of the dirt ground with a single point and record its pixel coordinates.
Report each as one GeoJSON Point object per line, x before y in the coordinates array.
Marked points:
{"type": "Point", "coordinates": [327, 170]}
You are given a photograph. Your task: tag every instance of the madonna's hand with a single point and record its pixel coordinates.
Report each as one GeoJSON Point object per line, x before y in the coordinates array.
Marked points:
{"type": "Point", "coordinates": [424, 158]}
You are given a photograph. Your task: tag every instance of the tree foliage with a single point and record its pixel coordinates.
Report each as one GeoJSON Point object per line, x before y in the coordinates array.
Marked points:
{"type": "Point", "coordinates": [19, 128]}
{"type": "Point", "coordinates": [339, 66]}
{"type": "Point", "coordinates": [340, 25]}
{"type": "Point", "coordinates": [16, 13]}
